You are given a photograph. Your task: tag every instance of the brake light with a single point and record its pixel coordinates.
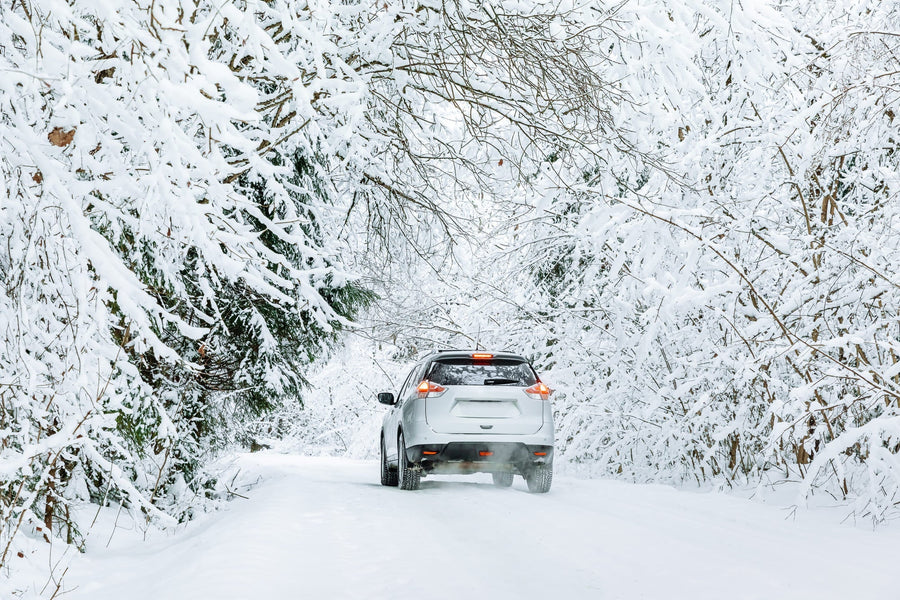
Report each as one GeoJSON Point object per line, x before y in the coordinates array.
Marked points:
{"type": "Point", "coordinates": [429, 389]}
{"type": "Point", "coordinates": [539, 391]}
{"type": "Point", "coordinates": [483, 453]}
{"type": "Point", "coordinates": [482, 356]}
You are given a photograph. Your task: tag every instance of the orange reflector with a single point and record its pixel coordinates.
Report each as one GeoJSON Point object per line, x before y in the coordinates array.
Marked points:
{"type": "Point", "coordinates": [540, 454]}
{"type": "Point", "coordinates": [482, 356]}
{"type": "Point", "coordinates": [485, 454]}
{"type": "Point", "coordinates": [429, 452]}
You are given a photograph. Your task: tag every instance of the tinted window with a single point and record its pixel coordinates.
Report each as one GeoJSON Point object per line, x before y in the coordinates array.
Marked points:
{"type": "Point", "coordinates": [415, 378]}
{"type": "Point", "coordinates": [466, 371]}
{"type": "Point", "coordinates": [405, 386]}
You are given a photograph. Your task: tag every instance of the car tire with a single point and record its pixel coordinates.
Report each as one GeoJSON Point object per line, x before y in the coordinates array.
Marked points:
{"type": "Point", "coordinates": [388, 475]}
{"type": "Point", "coordinates": [408, 474]}
{"type": "Point", "coordinates": [539, 478]}
{"type": "Point", "coordinates": [502, 479]}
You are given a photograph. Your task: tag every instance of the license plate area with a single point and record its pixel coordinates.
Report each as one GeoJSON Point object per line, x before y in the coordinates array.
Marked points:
{"type": "Point", "coordinates": [485, 409]}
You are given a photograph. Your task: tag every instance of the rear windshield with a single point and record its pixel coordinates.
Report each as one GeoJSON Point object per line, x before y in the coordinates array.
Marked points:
{"type": "Point", "coordinates": [466, 371]}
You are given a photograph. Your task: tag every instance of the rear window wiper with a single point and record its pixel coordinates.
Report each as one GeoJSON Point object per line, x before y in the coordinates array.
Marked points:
{"type": "Point", "coordinates": [499, 381]}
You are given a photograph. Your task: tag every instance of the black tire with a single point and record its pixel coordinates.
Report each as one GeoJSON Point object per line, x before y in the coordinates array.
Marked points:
{"type": "Point", "coordinates": [408, 474]}
{"type": "Point", "coordinates": [388, 475]}
{"type": "Point", "coordinates": [539, 479]}
{"type": "Point", "coordinates": [502, 479]}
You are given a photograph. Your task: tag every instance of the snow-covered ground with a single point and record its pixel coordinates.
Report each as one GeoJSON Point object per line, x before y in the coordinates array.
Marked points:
{"type": "Point", "coordinates": [325, 528]}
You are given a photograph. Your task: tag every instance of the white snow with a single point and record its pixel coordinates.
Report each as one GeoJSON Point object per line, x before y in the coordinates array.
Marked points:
{"type": "Point", "coordinates": [325, 528]}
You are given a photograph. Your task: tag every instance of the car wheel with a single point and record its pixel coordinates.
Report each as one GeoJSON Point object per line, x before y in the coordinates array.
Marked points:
{"type": "Point", "coordinates": [502, 479]}
{"type": "Point", "coordinates": [408, 475]}
{"type": "Point", "coordinates": [388, 475]}
{"type": "Point", "coordinates": [539, 479]}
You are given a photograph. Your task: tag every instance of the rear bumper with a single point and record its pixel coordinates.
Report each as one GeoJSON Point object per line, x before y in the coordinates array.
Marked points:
{"type": "Point", "coordinates": [481, 456]}
{"type": "Point", "coordinates": [418, 433]}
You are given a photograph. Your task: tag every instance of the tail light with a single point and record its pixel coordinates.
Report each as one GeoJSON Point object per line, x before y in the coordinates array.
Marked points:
{"type": "Point", "coordinates": [539, 391]}
{"type": "Point", "coordinates": [482, 356]}
{"type": "Point", "coordinates": [429, 389]}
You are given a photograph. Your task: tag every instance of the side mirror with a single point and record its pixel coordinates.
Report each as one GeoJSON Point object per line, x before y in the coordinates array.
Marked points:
{"type": "Point", "coordinates": [386, 398]}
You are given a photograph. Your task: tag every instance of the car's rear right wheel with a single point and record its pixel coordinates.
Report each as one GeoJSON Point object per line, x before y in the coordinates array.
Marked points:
{"type": "Point", "coordinates": [408, 473]}
{"type": "Point", "coordinates": [502, 479]}
{"type": "Point", "coordinates": [539, 478]}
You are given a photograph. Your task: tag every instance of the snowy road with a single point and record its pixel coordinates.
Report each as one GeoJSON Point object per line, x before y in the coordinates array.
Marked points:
{"type": "Point", "coordinates": [325, 528]}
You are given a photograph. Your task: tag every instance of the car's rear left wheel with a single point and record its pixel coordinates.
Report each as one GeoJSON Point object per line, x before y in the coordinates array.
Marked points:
{"type": "Point", "coordinates": [388, 475]}
{"type": "Point", "coordinates": [408, 474]}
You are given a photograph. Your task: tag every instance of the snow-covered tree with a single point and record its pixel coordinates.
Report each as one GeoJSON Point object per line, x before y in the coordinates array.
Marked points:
{"type": "Point", "coordinates": [166, 229]}
{"type": "Point", "coordinates": [711, 286]}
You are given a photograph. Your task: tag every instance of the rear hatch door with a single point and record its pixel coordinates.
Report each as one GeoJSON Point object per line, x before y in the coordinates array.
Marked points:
{"type": "Point", "coordinates": [484, 409]}
{"type": "Point", "coordinates": [483, 396]}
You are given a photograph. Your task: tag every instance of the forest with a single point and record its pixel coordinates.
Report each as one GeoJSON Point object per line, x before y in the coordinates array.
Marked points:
{"type": "Point", "coordinates": [224, 224]}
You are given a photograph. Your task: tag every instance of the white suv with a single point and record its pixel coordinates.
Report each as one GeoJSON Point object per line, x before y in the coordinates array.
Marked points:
{"type": "Point", "coordinates": [465, 411]}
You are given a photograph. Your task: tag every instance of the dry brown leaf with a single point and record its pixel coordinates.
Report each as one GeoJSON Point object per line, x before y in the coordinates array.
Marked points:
{"type": "Point", "coordinates": [60, 137]}
{"type": "Point", "coordinates": [101, 75]}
